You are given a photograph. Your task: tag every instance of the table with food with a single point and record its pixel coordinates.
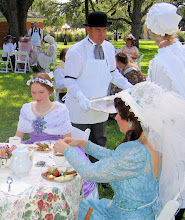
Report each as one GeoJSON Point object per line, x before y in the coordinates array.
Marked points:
{"type": "Point", "coordinates": [36, 183]}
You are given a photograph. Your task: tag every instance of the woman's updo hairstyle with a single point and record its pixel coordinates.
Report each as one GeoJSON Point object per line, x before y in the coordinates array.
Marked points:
{"type": "Point", "coordinates": [122, 57]}
{"type": "Point", "coordinates": [135, 131]}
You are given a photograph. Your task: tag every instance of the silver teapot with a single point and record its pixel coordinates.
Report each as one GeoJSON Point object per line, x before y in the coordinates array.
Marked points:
{"type": "Point", "coordinates": [21, 163]}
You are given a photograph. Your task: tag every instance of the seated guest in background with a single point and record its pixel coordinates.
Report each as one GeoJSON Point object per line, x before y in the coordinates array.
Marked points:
{"type": "Point", "coordinates": [9, 47]}
{"type": "Point", "coordinates": [53, 35]}
{"type": "Point", "coordinates": [129, 70]}
{"type": "Point", "coordinates": [59, 74]}
{"type": "Point", "coordinates": [45, 58]}
{"type": "Point", "coordinates": [27, 47]}
{"type": "Point", "coordinates": [45, 120]}
{"type": "Point", "coordinates": [130, 47]}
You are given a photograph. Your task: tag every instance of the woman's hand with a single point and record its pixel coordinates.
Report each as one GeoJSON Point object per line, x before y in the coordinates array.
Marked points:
{"type": "Point", "coordinates": [60, 146]}
{"type": "Point", "coordinates": [74, 142]}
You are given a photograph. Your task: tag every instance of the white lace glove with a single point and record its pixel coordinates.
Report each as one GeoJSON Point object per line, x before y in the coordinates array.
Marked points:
{"type": "Point", "coordinates": [83, 101]}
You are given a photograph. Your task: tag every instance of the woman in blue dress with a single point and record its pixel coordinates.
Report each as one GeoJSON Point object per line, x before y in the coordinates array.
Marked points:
{"type": "Point", "coordinates": [132, 169]}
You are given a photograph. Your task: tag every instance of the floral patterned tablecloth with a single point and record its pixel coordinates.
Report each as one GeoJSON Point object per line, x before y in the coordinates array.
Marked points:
{"type": "Point", "coordinates": [43, 199]}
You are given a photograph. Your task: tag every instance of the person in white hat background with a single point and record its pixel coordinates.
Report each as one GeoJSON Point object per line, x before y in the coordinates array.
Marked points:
{"type": "Point", "coordinates": [89, 68]}
{"type": "Point", "coordinates": [36, 34]}
{"type": "Point", "coordinates": [130, 47]}
{"type": "Point", "coordinates": [167, 68]}
{"type": "Point", "coordinates": [45, 58]}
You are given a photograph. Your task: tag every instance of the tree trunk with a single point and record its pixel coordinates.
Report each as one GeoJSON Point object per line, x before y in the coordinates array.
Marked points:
{"type": "Point", "coordinates": [136, 20]}
{"type": "Point", "coordinates": [15, 11]}
{"type": "Point", "coordinates": [86, 10]}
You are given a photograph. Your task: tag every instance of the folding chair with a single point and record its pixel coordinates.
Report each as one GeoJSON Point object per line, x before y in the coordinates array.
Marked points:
{"type": "Point", "coordinates": [5, 66]}
{"type": "Point", "coordinates": [138, 60]}
{"type": "Point", "coordinates": [54, 59]}
{"type": "Point", "coordinates": [77, 133]}
{"type": "Point", "coordinates": [25, 62]}
{"type": "Point", "coordinates": [57, 91]}
{"type": "Point", "coordinates": [171, 207]}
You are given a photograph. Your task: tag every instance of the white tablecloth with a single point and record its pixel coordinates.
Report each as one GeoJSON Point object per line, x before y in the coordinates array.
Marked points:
{"type": "Point", "coordinates": [39, 198]}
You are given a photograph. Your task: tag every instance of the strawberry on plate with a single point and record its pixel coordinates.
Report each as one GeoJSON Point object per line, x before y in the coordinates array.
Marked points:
{"type": "Point", "coordinates": [55, 173]}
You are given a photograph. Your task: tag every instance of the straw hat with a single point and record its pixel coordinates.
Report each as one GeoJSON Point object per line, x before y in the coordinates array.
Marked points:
{"type": "Point", "coordinates": [26, 38]}
{"type": "Point", "coordinates": [130, 37]}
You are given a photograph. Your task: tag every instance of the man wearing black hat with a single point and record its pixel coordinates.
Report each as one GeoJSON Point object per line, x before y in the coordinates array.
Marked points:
{"type": "Point", "coordinates": [90, 67]}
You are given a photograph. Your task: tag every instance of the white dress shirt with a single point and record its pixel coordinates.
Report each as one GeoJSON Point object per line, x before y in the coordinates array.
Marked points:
{"type": "Point", "coordinates": [59, 77]}
{"type": "Point", "coordinates": [9, 47]}
{"type": "Point", "coordinates": [76, 58]}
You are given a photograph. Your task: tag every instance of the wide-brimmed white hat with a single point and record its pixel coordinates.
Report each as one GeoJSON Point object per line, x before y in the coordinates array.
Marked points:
{"type": "Point", "coordinates": [162, 117]}
{"type": "Point", "coordinates": [162, 19]}
{"type": "Point", "coordinates": [49, 39]}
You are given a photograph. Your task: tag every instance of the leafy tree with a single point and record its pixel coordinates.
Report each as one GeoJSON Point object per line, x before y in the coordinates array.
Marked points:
{"type": "Point", "coordinates": [15, 12]}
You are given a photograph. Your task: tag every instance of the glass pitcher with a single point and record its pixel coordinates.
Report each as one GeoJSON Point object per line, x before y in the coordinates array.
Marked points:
{"type": "Point", "coordinates": [21, 163]}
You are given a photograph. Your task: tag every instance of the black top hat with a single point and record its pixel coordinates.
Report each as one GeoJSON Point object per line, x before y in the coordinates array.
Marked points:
{"type": "Point", "coordinates": [98, 19]}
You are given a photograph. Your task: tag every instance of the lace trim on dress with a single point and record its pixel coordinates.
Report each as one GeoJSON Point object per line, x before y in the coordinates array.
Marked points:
{"type": "Point", "coordinates": [141, 207]}
{"type": "Point", "coordinates": [58, 121]}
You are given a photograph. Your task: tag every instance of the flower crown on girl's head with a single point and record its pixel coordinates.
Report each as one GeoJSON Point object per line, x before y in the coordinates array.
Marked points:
{"type": "Point", "coordinates": [44, 81]}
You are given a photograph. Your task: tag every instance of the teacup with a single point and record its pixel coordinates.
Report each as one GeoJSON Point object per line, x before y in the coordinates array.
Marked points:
{"type": "Point", "coordinates": [14, 141]}
{"type": "Point", "coordinates": [59, 158]}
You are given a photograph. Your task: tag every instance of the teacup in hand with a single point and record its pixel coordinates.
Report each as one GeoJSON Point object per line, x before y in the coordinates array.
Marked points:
{"type": "Point", "coordinates": [59, 159]}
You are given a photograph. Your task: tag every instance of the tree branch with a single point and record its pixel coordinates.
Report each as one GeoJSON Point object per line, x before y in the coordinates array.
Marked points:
{"type": "Point", "coordinates": [113, 6]}
{"type": "Point", "coordinates": [120, 19]}
{"type": "Point", "coordinates": [92, 5]}
{"type": "Point", "coordinates": [129, 10]}
{"type": "Point", "coordinates": [146, 9]}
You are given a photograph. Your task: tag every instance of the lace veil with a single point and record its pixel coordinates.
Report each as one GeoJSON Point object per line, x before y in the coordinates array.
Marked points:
{"type": "Point", "coordinates": [162, 116]}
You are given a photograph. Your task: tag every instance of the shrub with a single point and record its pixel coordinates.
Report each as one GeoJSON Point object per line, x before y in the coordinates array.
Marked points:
{"type": "Point", "coordinates": [181, 35]}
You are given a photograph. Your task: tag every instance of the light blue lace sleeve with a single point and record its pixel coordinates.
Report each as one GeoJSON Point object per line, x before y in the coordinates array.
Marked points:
{"type": "Point", "coordinates": [128, 160]}
{"type": "Point", "coordinates": [97, 151]}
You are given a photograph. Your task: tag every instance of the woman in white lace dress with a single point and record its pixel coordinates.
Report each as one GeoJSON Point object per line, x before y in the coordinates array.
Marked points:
{"type": "Point", "coordinates": [45, 120]}
{"type": "Point", "coordinates": [45, 58]}
{"type": "Point", "coordinates": [168, 66]}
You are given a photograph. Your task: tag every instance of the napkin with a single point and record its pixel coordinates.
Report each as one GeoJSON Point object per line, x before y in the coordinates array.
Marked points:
{"type": "Point", "coordinates": [17, 187]}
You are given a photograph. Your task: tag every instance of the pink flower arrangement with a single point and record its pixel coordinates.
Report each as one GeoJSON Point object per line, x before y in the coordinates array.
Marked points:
{"type": "Point", "coordinates": [6, 151]}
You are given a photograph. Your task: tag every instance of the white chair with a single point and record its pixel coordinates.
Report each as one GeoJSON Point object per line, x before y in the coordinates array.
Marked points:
{"type": "Point", "coordinates": [171, 207]}
{"type": "Point", "coordinates": [77, 133]}
{"type": "Point", "coordinates": [25, 62]}
{"type": "Point", "coordinates": [169, 210]}
{"type": "Point", "coordinates": [138, 60]}
{"type": "Point", "coordinates": [118, 50]}
{"type": "Point", "coordinates": [5, 66]}
{"type": "Point", "coordinates": [54, 59]}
